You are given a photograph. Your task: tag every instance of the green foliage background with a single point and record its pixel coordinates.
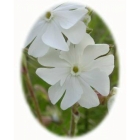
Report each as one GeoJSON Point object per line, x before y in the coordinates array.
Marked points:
{"type": "Point", "coordinates": [55, 119]}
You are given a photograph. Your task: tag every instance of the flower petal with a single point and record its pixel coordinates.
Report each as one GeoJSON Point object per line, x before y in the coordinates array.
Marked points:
{"type": "Point", "coordinates": [105, 64]}
{"type": "Point", "coordinates": [67, 19]}
{"type": "Point", "coordinates": [52, 59]}
{"type": "Point", "coordinates": [52, 75]}
{"type": "Point", "coordinates": [73, 93]}
{"type": "Point", "coordinates": [87, 40]}
{"type": "Point", "coordinates": [68, 6]}
{"type": "Point", "coordinates": [54, 38]}
{"type": "Point", "coordinates": [55, 92]}
{"type": "Point", "coordinates": [89, 98]}
{"type": "Point", "coordinates": [99, 80]}
{"type": "Point", "coordinates": [35, 31]}
{"type": "Point", "coordinates": [38, 48]}
{"type": "Point", "coordinates": [69, 56]}
{"type": "Point", "coordinates": [75, 51]}
{"type": "Point", "coordinates": [93, 51]}
{"type": "Point", "coordinates": [76, 33]}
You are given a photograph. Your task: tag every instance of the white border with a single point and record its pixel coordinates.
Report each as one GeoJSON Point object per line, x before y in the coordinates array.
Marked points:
{"type": "Point", "coordinates": [26, 13]}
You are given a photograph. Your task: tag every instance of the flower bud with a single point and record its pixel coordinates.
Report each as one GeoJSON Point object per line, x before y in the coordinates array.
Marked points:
{"type": "Point", "coordinates": [112, 97]}
{"type": "Point", "coordinates": [87, 19]}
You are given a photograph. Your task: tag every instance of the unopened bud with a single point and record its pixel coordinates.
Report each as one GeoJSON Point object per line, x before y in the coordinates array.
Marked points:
{"type": "Point", "coordinates": [111, 99]}
{"type": "Point", "coordinates": [87, 19]}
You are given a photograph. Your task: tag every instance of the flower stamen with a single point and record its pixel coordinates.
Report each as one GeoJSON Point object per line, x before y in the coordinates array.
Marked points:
{"type": "Point", "coordinates": [75, 69]}
{"type": "Point", "coordinates": [48, 15]}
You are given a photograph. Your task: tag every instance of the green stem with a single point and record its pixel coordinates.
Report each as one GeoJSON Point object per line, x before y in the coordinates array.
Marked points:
{"type": "Point", "coordinates": [86, 120]}
{"type": "Point", "coordinates": [31, 91]}
{"type": "Point", "coordinates": [74, 120]}
{"type": "Point", "coordinates": [73, 126]}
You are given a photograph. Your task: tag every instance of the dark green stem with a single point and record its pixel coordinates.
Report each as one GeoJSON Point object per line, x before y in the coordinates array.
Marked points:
{"type": "Point", "coordinates": [86, 120]}
{"type": "Point", "coordinates": [31, 91]}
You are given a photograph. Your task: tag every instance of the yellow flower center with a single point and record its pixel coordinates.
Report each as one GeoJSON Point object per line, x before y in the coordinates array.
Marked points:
{"type": "Point", "coordinates": [48, 15]}
{"type": "Point", "coordinates": [75, 69]}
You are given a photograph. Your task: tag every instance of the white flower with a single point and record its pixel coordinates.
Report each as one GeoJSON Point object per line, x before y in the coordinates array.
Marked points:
{"type": "Point", "coordinates": [76, 71]}
{"type": "Point", "coordinates": [48, 31]}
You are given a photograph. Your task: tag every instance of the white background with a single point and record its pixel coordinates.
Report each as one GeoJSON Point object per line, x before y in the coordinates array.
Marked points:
{"type": "Point", "coordinates": [113, 13]}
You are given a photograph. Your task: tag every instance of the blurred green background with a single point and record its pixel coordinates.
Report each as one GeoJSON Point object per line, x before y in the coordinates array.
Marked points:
{"type": "Point", "coordinates": [53, 118]}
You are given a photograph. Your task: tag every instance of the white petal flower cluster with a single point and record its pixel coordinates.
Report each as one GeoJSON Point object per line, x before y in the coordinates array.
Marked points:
{"type": "Point", "coordinates": [77, 72]}
{"type": "Point", "coordinates": [49, 31]}
{"type": "Point", "coordinates": [75, 66]}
